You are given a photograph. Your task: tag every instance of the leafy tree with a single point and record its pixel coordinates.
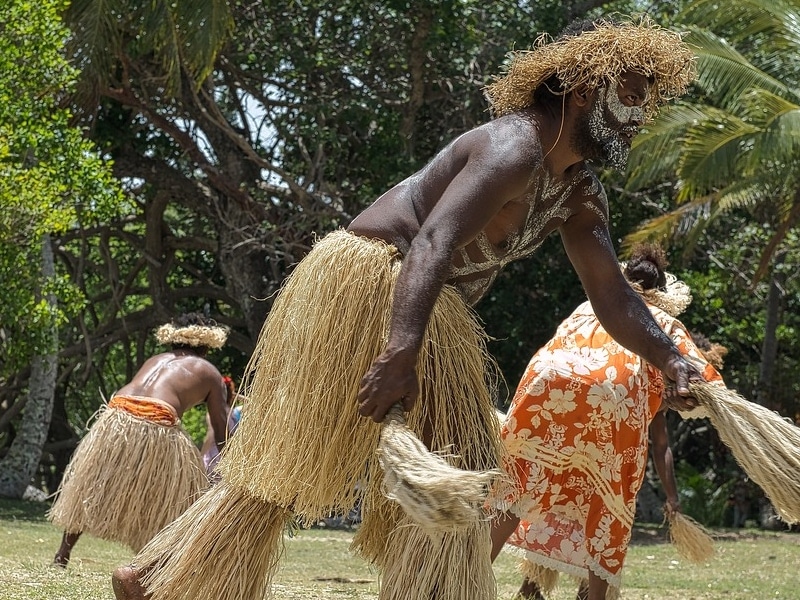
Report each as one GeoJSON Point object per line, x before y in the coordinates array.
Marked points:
{"type": "Point", "coordinates": [50, 179]}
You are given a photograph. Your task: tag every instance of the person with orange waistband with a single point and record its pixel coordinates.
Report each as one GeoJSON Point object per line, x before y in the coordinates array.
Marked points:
{"type": "Point", "coordinates": [127, 492]}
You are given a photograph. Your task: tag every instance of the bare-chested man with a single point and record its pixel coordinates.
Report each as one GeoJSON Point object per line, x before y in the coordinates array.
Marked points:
{"type": "Point", "coordinates": [136, 469]}
{"type": "Point", "coordinates": [379, 315]}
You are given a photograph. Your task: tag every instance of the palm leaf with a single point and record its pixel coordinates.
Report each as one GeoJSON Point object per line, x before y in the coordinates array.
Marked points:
{"type": "Point", "coordinates": [776, 20]}
{"type": "Point", "coordinates": [724, 74]}
{"type": "Point", "coordinates": [656, 150]}
{"type": "Point", "coordinates": [710, 153]}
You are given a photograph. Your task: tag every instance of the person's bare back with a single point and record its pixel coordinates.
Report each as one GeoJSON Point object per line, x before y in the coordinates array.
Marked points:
{"type": "Point", "coordinates": [180, 377]}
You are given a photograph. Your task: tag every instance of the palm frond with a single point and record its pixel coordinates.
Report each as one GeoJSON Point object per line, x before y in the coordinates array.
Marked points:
{"type": "Point", "coordinates": [669, 225]}
{"type": "Point", "coordinates": [656, 150]}
{"type": "Point", "coordinates": [779, 120]}
{"type": "Point", "coordinates": [777, 20]}
{"type": "Point", "coordinates": [96, 43]}
{"type": "Point", "coordinates": [724, 74]}
{"type": "Point", "coordinates": [710, 153]}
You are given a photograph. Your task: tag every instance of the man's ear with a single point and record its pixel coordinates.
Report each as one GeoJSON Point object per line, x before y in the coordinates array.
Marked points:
{"type": "Point", "coordinates": [582, 96]}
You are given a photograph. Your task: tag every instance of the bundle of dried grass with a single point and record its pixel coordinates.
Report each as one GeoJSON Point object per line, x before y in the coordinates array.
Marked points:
{"type": "Point", "coordinates": [194, 558]}
{"type": "Point", "coordinates": [432, 492]}
{"type": "Point", "coordinates": [691, 540]}
{"type": "Point", "coordinates": [452, 565]}
{"type": "Point", "coordinates": [766, 445]}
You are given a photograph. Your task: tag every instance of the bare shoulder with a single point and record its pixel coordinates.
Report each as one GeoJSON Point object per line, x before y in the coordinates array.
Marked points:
{"type": "Point", "coordinates": [200, 368]}
{"type": "Point", "coordinates": [512, 140]}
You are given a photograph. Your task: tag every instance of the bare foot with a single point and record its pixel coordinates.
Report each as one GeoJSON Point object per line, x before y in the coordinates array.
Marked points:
{"type": "Point", "coordinates": [125, 582]}
{"type": "Point", "coordinates": [61, 560]}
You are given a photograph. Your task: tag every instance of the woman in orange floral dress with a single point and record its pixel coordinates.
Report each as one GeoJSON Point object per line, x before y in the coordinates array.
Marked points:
{"type": "Point", "coordinates": [576, 436]}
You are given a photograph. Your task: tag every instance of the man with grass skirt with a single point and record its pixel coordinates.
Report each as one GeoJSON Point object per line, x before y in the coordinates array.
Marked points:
{"type": "Point", "coordinates": [379, 314]}
{"type": "Point", "coordinates": [136, 469]}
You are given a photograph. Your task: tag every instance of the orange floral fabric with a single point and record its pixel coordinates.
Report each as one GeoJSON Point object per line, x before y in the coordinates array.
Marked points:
{"type": "Point", "coordinates": [149, 409]}
{"type": "Point", "coordinates": [576, 435]}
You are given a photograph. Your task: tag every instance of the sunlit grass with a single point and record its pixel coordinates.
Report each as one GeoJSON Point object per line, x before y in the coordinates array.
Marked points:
{"type": "Point", "coordinates": [318, 564]}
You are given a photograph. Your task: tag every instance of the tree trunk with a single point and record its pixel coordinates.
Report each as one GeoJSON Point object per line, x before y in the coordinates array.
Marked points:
{"type": "Point", "coordinates": [20, 463]}
{"type": "Point", "coordinates": [769, 349]}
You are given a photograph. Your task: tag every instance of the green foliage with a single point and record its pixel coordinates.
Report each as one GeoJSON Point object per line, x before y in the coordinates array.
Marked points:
{"type": "Point", "coordinates": [51, 178]}
{"type": "Point", "coordinates": [734, 142]}
{"type": "Point", "coordinates": [194, 422]}
{"type": "Point", "coordinates": [703, 498]}
{"type": "Point", "coordinates": [729, 307]}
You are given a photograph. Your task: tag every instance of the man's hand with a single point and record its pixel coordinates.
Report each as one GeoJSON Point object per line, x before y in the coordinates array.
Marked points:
{"type": "Point", "coordinates": [678, 373]}
{"type": "Point", "coordinates": [391, 379]}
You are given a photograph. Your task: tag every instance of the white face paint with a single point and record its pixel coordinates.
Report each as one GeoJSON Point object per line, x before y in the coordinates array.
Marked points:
{"type": "Point", "coordinates": [624, 114]}
{"type": "Point", "coordinates": [608, 134]}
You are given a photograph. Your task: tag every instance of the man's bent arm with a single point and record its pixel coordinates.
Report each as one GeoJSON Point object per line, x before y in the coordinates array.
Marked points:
{"type": "Point", "coordinates": [485, 180]}
{"type": "Point", "coordinates": [620, 310]}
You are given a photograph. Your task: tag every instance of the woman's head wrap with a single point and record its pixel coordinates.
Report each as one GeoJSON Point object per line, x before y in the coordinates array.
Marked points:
{"type": "Point", "coordinates": [192, 329]}
{"type": "Point", "coordinates": [597, 57]}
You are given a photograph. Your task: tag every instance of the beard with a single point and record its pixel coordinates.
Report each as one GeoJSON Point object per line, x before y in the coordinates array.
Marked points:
{"type": "Point", "coordinates": [598, 136]}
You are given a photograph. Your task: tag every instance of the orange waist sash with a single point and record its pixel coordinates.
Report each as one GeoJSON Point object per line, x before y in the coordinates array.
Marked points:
{"type": "Point", "coordinates": [150, 409]}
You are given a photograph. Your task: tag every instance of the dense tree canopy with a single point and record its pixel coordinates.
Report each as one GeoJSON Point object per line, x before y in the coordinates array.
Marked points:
{"type": "Point", "coordinates": [240, 130]}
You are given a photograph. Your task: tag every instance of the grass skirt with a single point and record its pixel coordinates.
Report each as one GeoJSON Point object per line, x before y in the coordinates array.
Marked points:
{"type": "Point", "coordinates": [127, 479]}
{"type": "Point", "coordinates": [302, 445]}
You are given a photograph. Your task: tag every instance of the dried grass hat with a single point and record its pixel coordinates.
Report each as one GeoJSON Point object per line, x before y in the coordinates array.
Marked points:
{"type": "Point", "coordinates": [673, 298]}
{"type": "Point", "coordinates": [193, 330]}
{"type": "Point", "coordinates": [597, 58]}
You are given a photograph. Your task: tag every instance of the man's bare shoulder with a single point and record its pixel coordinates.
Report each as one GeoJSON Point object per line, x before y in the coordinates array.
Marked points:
{"type": "Point", "coordinates": [513, 138]}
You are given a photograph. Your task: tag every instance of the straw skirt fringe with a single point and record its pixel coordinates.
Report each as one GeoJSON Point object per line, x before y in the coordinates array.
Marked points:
{"type": "Point", "coordinates": [301, 443]}
{"type": "Point", "coordinates": [211, 563]}
{"type": "Point", "coordinates": [127, 479]}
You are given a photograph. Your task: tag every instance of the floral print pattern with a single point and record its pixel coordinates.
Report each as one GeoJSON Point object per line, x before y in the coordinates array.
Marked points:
{"type": "Point", "coordinates": [576, 435]}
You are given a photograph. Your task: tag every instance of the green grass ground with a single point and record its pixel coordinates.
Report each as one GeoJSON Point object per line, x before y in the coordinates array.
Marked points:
{"type": "Point", "coordinates": [749, 565]}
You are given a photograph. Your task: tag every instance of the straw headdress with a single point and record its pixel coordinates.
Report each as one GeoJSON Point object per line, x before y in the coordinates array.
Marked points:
{"type": "Point", "coordinates": [672, 298]}
{"type": "Point", "coordinates": [597, 58]}
{"type": "Point", "coordinates": [195, 335]}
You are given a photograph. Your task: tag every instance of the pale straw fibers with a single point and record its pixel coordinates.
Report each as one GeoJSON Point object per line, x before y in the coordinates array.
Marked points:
{"type": "Point", "coordinates": [127, 479]}
{"type": "Point", "coordinates": [692, 541]}
{"type": "Point", "coordinates": [302, 445]}
{"type": "Point", "coordinates": [766, 445]}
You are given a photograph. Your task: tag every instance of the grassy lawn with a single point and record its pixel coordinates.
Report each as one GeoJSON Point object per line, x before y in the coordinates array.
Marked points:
{"type": "Point", "coordinates": [750, 564]}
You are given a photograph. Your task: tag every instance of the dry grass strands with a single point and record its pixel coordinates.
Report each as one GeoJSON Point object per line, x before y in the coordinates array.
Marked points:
{"type": "Point", "coordinates": [691, 540]}
{"type": "Point", "coordinates": [766, 445]}
{"type": "Point", "coordinates": [446, 566]}
{"type": "Point", "coordinates": [301, 442]}
{"type": "Point", "coordinates": [197, 556]}
{"type": "Point", "coordinates": [432, 492]}
{"type": "Point", "coordinates": [546, 579]}
{"type": "Point", "coordinates": [597, 59]}
{"type": "Point", "coordinates": [193, 335]}
{"type": "Point", "coordinates": [128, 479]}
